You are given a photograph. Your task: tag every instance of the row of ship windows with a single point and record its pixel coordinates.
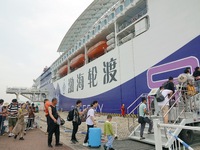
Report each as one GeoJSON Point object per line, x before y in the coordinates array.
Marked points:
{"type": "Point", "coordinates": [96, 29]}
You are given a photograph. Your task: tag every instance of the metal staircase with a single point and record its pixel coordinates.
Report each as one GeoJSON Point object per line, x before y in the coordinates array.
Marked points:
{"type": "Point", "coordinates": [182, 114]}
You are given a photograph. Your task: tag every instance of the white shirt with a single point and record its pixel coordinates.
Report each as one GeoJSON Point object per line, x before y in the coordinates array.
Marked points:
{"type": "Point", "coordinates": [165, 93]}
{"type": "Point", "coordinates": [89, 114]}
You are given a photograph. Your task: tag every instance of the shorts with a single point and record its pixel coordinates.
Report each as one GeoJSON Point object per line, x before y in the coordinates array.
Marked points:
{"type": "Point", "coordinates": [165, 110]}
{"type": "Point", "coordinates": [12, 122]}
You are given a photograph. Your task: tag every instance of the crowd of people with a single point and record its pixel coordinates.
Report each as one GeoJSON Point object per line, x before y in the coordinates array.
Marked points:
{"type": "Point", "coordinates": [19, 117]}
{"type": "Point", "coordinates": [189, 89]}
{"type": "Point", "coordinates": [78, 116]}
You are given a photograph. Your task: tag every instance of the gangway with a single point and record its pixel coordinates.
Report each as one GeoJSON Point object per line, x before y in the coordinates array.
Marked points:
{"type": "Point", "coordinates": [32, 94]}
{"type": "Point", "coordinates": [183, 112]}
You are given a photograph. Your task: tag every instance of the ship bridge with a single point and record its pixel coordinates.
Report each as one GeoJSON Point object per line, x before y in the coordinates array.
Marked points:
{"type": "Point", "coordinates": [32, 94]}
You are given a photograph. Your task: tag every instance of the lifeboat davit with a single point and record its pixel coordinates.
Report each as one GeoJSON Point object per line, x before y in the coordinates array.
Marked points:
{"type": "Point", "coordinates": [78, 61]}
{"type": "Point", "coordinates": [97, 50]}
{"type": "Point", "coordinates": [63, 71]}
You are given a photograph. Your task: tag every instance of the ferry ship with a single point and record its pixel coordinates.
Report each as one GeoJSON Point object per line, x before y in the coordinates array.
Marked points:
{"type": "Point", "coordinates": [118, 49]}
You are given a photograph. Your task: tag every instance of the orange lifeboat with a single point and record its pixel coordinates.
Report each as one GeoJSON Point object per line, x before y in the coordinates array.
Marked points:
{"type": "Point", "coordinates": [97, 50]}
{"type": "Point", "coordinates": [63, 71]}
{"type": "Point", "coordinates": [78, 61]}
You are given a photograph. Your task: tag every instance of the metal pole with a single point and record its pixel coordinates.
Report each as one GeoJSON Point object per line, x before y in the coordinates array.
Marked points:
{"type": "Point", "coordinates": [157, 134]}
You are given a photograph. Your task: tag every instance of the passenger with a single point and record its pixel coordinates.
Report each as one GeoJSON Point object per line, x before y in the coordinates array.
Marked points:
{"type": "Point", "coordinates": [189, 77]}
{"type": "Point", "coordinates": [53, 125]}
{"type": "Point", "coordinates": [20, 125]}
{"type": "Point", "coordinates": [90, 121]}
{"type": "Point", "coordinates": [31, 117]}
{"type": "Point", "coordinates": [164, 105]}
{"type": "Point", "coordinates": [4, 116]}
{"type": "Point", "coordinates": [108, 131]}
{"type": "Point", "coordinates": [142, 115]}
{"type": "Point", "coordinates": [47, 103]}
{"type": "Point", "coordinates": [1, 114]}
{"type": "Point", "coordinates": [123, 110]}
{"type": "Point", "coordinates": [169, 84]}
{"type": "Point", "coordinates": [191, 91]}
{"type": "Point", "coordinates": [196, 75]}
{"type": "Point", "coordinates": [76, 121]}
{"type": "Point", "coordinates": [12, 116]}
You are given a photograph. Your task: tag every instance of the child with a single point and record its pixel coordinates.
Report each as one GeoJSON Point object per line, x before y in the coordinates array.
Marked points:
{"type": "Point", "coordinates": [108, 131]}
{"type": "Point", "coordinates": [19, 127]}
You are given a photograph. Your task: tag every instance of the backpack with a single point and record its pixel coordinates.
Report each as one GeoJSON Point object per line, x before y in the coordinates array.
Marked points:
{"type": "Point", "coordinates": [70, 115]}
{"type": "Point", "coordinates": [160, 97]}
{"type": "Point", "coordinates": [84, 115]}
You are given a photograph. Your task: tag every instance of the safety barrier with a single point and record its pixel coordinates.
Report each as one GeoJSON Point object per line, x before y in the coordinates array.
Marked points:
{"type": "Point", "coordinates": [178, 144]}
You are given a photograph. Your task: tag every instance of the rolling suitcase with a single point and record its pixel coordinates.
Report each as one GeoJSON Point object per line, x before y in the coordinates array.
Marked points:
{"type": "Point", "coordinates": [94, 137]}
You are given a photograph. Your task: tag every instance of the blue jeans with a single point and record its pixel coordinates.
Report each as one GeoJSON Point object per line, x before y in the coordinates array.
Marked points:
{"type": "Point", "coordinates": [110, 141]}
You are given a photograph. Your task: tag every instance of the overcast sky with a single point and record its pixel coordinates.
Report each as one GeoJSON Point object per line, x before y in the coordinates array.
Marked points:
{"type": "Point", "coordinates": [30, 33]}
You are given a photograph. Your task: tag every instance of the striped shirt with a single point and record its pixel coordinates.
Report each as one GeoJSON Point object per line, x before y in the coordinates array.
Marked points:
{"type": "Point", "coordinates": [13, 110]}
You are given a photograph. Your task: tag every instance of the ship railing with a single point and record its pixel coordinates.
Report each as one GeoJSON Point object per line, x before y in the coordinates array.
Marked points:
{"type": "Point", "coordinates": [136, 102]}
{"type": "Point", "coordinates": [178, 143]}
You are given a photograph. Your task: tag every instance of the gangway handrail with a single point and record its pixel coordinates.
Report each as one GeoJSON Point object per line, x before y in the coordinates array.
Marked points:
{"type": "Point", "coordinates": [171, 107]}
{"type": "Point", "coordinates": [157, 129]}
{"type": "Point", "coordinates": [142, 95]}
{"type": "Point", "coordinates": [135, 108]}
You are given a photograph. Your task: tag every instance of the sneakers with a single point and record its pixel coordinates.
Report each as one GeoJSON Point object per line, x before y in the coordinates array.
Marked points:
{"type": "Point", "coordinates": [50, 146]}
{"type": "Point", "coordinates": [105, 147]}
{"type": "Point", "coordinates": [73, 141]}
{"type": "Point", "coordinates": [142, 138]}
{"type": "Point", "coordinates": [59, 144]}
{"type": "Point", "coordinates": [15, 136]}
{"type": "Point", "coordinates": [10, 134]}
{"type": "Point", "coordinates": [111, 148]}
{"type": "Point", "coordinates": [76, 141]}
{"type": "Point", "coordinates": [21, 138]}
{"type": "Point", "coordinates": [85, 144]}
{"type": "Point", "coordinates": [150, 132]}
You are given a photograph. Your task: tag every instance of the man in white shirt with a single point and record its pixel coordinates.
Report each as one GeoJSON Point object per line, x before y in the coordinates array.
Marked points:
{"type": "Point", "coordinates": [164, 105]}
{"type": "Point", "coordinates": [90, 121]}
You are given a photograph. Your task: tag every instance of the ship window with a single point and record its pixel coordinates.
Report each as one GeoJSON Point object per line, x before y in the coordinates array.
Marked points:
{"type": "Point", "coordinates": [92, 32]}
{"type": "Point", "coordinates": [79, 43]}
{"type": "Point", "coordinates": [105, 21]}
{"type": "Point", "coordinates": [127, 2]}
{"type": "Point", "coordinates": [88, 36]}
{"type": "Point", "coordinates": [84, 40]}
{"type": "Point", "coordinates": [111, 16]}
{"type": "Point", "coordinates": [99, 27]}
{"type": "Point", "coordinates": [119, 9]}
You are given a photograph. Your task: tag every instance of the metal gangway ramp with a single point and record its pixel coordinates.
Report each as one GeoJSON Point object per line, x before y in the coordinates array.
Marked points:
{"type": "Point", "coordinates": [32, 94]}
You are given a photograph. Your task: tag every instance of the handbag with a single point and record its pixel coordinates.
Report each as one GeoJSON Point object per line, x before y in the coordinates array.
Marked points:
{"type": "Point", "coordinates": [141, 119]}
{"type": "Point", "coordinates": [62, 121]}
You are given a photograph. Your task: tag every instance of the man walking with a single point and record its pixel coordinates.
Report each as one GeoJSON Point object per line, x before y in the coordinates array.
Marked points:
{"type": "Point", "coordinates": [12, 116]}
{"type": "Point", "coordinates": [142, 116]}
{"type": "Point", "coordinates": [53, 126]}
{"type": "Point", "coordinates": [76, 121]}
